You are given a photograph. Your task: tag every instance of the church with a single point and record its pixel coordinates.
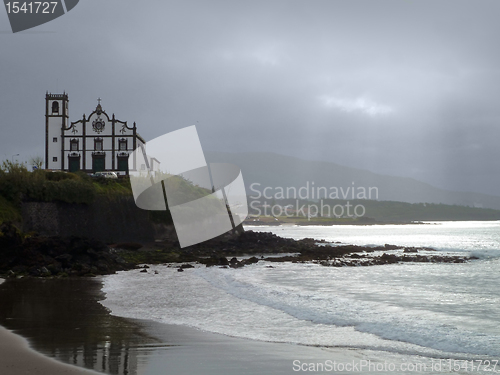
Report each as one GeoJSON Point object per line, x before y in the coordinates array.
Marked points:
{"type": "Point", "coordinates": [93, 144]}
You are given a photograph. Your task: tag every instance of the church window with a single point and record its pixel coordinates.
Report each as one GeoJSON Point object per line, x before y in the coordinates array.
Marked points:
{"type": "Point", "coordinates": [74, 145]}
{"type": "Point", "coordinates": [122, 144]}
{"type": "Point", "coordinates": [54, 158]}
{"type": "Point", "coordinates": [55, 107]}
{"type": "Point", "coordinates": [98, 144]}
{"type": "Point", "coordinates": [54, 139]}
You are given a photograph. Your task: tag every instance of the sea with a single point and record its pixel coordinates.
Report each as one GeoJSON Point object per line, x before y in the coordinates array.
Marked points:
{"type": "Point", "coordinates": [430, 313]}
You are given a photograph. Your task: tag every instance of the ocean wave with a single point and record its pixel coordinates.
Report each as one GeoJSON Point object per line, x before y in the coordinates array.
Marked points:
{"type": "Point", "coordinates": [417, 327]}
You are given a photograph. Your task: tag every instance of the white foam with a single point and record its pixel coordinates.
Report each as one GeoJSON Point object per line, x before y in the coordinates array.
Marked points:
{"type": "Point", "coordinates": [481, 239]}
{"type": "Point", "coordinates": [447, 310]}
{"type": "Point", "coordinates": [413, 325]}
{"type": "Point", "coordinates": [274, 305]}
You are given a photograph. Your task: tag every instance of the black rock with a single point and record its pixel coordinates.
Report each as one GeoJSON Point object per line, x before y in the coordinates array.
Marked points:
{"type": "Point", "coordinates": [251, 260]}
{"type": "Point", "coordinates": [410, 250]}
{"type": "Point", "coordinates": [389, 258]}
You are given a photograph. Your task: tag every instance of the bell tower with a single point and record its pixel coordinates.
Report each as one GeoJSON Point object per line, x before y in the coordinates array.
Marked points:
{"type": "Point", "coordinates": [56, 120]}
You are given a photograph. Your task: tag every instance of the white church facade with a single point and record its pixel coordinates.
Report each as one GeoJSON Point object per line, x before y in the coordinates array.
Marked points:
{"type": "Point", "coordinates": [92, 144]}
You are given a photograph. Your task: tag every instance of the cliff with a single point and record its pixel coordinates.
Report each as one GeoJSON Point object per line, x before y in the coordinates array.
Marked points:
{"type": "Point", "coordinates": [108, 219]}
{"type": "Point", "coordinates": [73, 204]}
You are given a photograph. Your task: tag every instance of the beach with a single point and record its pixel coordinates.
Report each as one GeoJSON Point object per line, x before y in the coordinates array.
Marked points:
{"type": "Point", "coordinates": [269, 317]}
{"type": "Point", "coordinates": [16, 357]}
{"type": "Point", "coordinates": [62, 320]}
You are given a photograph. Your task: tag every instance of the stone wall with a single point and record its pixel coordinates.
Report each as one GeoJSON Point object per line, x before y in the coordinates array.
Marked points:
{"type": "Point", "coordinates": [106, 219]}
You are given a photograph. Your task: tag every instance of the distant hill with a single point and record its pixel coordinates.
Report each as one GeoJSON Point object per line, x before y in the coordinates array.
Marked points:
{"type": "Point", "coordinates": [273, 170]}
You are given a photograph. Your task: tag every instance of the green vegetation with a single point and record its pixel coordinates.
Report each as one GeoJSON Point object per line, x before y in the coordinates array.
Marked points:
{"type": "Point", "coordinates": [8, 211]}
{"type": "Point", "coordinates": [375, 211]}
{"type": "Point", "coordinates": [155, 256]}
{"type": "Point", "coordinates": [401, 211]}
{"type": "Point", "coordinates": [18, 184]}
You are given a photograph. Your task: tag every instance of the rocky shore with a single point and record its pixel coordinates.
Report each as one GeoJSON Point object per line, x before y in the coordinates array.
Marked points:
{"type": "Point", "coordinates": [55, 256]}
{"type": "Point", "coordinates": [37, 256]}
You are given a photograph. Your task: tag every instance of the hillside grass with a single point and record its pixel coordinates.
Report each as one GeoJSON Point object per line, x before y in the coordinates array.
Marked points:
{"type": "Point", "coordinates": [401, 211]}
{"type": "Point", "coordinates": [9, 212]}
{"type": "Point", "coordinates": [392, 211]}
{"type": "Point", "coordinates": [18, 184]}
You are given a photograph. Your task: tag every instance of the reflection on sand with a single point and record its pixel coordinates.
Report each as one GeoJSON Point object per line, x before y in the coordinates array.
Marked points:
{"type": "Point", "coordinates": [62, 319]}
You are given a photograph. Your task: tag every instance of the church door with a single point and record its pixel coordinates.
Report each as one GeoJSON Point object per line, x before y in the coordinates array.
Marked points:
{"type": "Point", "coordinates": [74, 164]}
{"type": "Point", "coordinates": [123, 164]}
{"type": "Point", "coordinates": [97, 164]}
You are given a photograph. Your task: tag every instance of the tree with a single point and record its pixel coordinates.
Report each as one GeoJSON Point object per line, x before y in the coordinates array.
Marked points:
{"type": "Point", "coordinates": [36, 161]}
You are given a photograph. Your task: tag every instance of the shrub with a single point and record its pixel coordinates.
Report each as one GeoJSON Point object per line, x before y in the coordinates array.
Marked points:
{"type": "Point", "coordinates": [59, 176]}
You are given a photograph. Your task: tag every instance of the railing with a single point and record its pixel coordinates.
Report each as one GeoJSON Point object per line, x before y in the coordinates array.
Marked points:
{"type": "Point", "coordinates": [57, 96]}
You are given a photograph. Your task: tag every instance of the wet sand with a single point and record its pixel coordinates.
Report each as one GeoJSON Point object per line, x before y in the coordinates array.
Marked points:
{"type": "Point", "coordinates": [17, 358]}
{"type": "Point", "coordinates": [62, 319]}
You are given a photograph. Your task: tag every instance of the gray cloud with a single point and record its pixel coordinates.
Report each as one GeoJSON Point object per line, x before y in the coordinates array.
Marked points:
{"type": "Point", "coordinates": [397, 87]}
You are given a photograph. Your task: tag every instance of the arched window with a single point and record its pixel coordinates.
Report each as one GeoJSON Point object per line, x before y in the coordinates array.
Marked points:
{"type": "Point", "coordinates": [55, 107]}
{"type": "Point", "coordinates": [98, 144]}
{"type": "Point", "coordinates": [122, 144]}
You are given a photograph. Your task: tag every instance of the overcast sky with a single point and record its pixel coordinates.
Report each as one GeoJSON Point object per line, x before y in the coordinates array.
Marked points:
{"type": "Point", "coordinates": [404, 87]}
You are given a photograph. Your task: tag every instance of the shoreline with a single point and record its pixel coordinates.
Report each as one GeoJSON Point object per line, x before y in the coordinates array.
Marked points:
{"type": "Point", "coordinates": [137, 347]}
{"type": "Point", "coordinates": [85, 334]}
{"type": "Point", "coordinates": [17, 357]}
{"type": "Point", "coordinates": [327, 223]}
{"type": "Point", "coordinates": [214, 353]}
{"type": "Point", "coordinates": [55, 256]}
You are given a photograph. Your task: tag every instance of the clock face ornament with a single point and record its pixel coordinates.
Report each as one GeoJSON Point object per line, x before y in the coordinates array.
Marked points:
{"type": "Point", "coordinates": [98, 125]}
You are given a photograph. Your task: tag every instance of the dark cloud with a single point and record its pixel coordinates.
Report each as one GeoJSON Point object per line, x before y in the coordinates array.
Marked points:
{"type": "Point", "coordinates": [404, 88]}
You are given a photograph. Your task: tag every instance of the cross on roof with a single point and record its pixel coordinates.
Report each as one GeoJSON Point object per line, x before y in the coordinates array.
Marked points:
{"type": "Point", "coordinates": [99, 101]}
